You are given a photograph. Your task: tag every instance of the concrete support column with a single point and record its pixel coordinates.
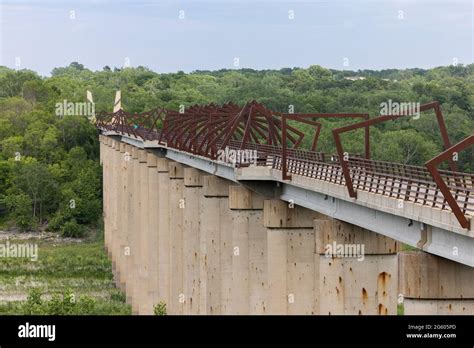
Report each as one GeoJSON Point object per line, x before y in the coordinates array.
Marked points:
{"type": "Point", "coordinates": [114, 238]}
{"type": "Point", "coordinates": [130, 212]}
{"type": "Point", "coordinates": [358, 272]}
{"type": "Point", "coordinates": [121, 213]}
{"type": "Point", "coordinates": [125, 157]}
{"type": "Point", "coordinates": [291, 266]}
{"type": "Point", "coordinates": [152, 235]}
{"type": "Point", "coordinates": [143, 234]}
{"type": "Point", "coordinates": [176, 224]}
{"type": "Point", "coordinates": [249, 283]}
{"type": "Point", "coordinates": [135, 232]}
{"type": "Point", "coordinates": [164, 233]}
{"type": "Point", "coordinates": [105, 191]}
{"type": "Point", "coordinates": [216, 246]}
{"type": "Point", "coordinates": [191, 247]}
{"type": "Point", "coordinates": [432, 285]}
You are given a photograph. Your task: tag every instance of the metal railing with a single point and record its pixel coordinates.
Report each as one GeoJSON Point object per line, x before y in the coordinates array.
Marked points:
{"type": "Point", "coordinates": [209, 130]}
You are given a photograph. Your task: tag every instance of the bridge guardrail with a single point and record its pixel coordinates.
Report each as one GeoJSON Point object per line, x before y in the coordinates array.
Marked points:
{"type": "Point", "coordinates": [204, 130]}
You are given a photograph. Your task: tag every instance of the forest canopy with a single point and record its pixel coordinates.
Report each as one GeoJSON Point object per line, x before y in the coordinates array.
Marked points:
{"type": "Point", "coordinates": [49, 170]}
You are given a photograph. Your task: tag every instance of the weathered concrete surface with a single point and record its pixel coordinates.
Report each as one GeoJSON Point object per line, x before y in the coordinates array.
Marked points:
{"type": "Point", "coordinates": [206, 245]}
{"type": "Point", "coordinates": [135, 232]}
{"type": "Point", "coordinates": [216, 245]}
{"type": "Point", "coordinates": [164, 233]}
{"type": "Point", "coordinates": [176, 225]}
{"type": "Point", "coordinates": [191, 240]}
{"type": "Point", "coordinates": [249, 286]}
{"type": "Point", "coordinates": [426, 276]}
{"type": "Point", "coordinates": [349, 286]}
{"type": "Point", "coordinates": [280, 214]}
{"type": "Point", "coordinates": [330, 231]}
{"type": "Point", "coordinates": [143, 234]}
{"type": "Point", "coordinates": [152, 234]}
{"type": "Point", "coordinates": [438, 307]}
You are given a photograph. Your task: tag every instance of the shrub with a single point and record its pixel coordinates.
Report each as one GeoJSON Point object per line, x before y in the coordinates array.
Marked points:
{"type": "Point", "coordinates": [160, 308]}
{"type": "Point", "coordinates": [58, 221]}
{"type": "Point", "coordinates": [118, 296]}
{"type": "Point", "coordinates": [59, 304]}
{"type": "Point", "coordinates": [72, 229]}
{"type": "Point", "coordinates": [20, 207]}
{"type": "Point", "coordinates": [34, 303]}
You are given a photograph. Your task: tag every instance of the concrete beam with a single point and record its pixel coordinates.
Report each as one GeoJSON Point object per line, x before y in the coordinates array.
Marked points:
{"type": "Point", "coordinates": [425, 276]}
{"type": "Point", "coordinates": [214, 186]}
{"type": "Point", "coordinates": [330, 231]}
{"type": "Point", "coordinates": [280, 214]}
{"type": "Point", "coordinates": [241, 198]}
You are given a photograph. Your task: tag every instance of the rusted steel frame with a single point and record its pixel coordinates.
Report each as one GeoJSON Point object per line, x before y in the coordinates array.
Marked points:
{"type": "Point", "coordinates": [432, 165]}
{"type": "Point", "coordinates": [284, 167]}
{"type": "Point", "coordinates": [209, 129]}
{"type": "Point", "coordinates": [340, 115]}
{"type": "Point", "coordinates": [310, 122]}
{"type": "Point", "coordinates": [285, 175]}
{"type": "Point", "coordinates": [180, 125]}
{"type": "Point", "coordinates": [278, 126]}
{"type": "Point", "coordinates": [260, 128]}
{"type": "Point", "coordinates": [340, 151]}
{"type": "Point", "coordinates": [229, 128]}
{"type": "Point", "coordinates": [190, 139]}
{"type": "Point", "coordinates": [299, 117]}
{"type": "Point", "coordinates": [248, 125]}
{"type": "Point", "coordinates": [380, 119]}
{"type": "Point", "coordinates": [213, 138]}
{"type": "Point", "coordinates": [273, 134]}
{"type": "Point", "coordinates": [159, 113]}
{"type": "Point", "coordinates": [185, 127]}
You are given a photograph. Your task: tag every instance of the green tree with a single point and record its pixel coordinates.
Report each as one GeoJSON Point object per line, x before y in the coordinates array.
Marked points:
{"type": "Point", "coordinates": [34, 178]}
{"type": "Point", "coordinates": [20, 208]}
{"type": "Point", "coordinates": [405, 146]}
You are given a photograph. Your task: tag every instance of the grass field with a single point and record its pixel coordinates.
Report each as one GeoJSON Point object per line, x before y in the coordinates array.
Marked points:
{"type": "Point", "coordinates": [66, 270]}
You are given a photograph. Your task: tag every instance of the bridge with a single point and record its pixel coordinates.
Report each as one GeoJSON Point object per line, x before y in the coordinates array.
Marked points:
{"type": "Point", "coordinates": [223, 209]}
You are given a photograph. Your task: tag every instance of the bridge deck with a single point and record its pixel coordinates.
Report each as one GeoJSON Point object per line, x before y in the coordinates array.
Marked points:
{"type": "Point", "coordinates": [427, 208]}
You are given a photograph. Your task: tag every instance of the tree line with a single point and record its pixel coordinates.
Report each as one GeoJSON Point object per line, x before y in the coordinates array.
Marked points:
{"type": "Point", "coordinates": [49, 170]}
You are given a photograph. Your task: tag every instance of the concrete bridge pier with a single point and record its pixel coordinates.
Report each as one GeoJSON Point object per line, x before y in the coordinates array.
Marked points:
{"type": "Point", "coordinates": [135, 232]}
{"type": "Point", "coordinates": [121, 186]}
{"type": "Point", "coordinates": [249, 281]}
{"type": "Point", "coordinates": [291, 261]}
{"type": "Point", "coordinates": [151, 242]}
{"type": "Point", "coordinates": [216, 246]}
{"type": "Point", "coordinates": [130, 213]}
{"type": "Point", "coordinates": [114, 196]}
{"type": "Point", "coordinates": [164, 233]}
{"type": "Point", "coordinates": [104, 151]}
{"type": "Point", "coordinates": [203, 244]}
{"type": "Point", "coordinates": [362, 282]}
{"type": "Point", "coordinates": [191, 240]}
{"type": "Point", "coordinates": [176, 225]}
{"type": "Point", "coordinates": [143, 233]}
{"type": "Point", "coordinates": [433, 285]}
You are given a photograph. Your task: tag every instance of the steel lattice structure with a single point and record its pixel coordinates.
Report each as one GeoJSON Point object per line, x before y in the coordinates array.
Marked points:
{"type": "Point", "coordinates": [205, 130]}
